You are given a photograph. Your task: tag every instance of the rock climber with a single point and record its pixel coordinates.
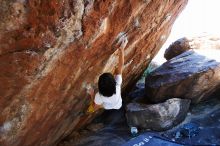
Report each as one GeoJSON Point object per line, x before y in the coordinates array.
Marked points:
{"type": "Point", "coordinates": [109, 86]}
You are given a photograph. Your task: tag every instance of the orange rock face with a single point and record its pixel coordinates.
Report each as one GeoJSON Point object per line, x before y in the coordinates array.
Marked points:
{"type": "Point", "coordinates": [51, 50]}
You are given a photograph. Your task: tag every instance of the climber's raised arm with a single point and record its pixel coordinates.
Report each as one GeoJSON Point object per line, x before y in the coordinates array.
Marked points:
{"type": "Point", "coordinates": [121, 45]}
{"type": "Point", "coordinates": [109, 87]}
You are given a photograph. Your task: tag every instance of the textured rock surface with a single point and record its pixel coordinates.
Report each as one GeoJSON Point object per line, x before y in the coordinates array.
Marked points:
{"type": "Point", "coordinates": [158, 117]}
{"type": "Point", "coordinates": [51, 50]}
{"type": "Point", "coordinates": [208, 45]}
{"type": "Point", "coordinates": [189, 75]}
{"type": "Point", "coordinates": [206, 117]}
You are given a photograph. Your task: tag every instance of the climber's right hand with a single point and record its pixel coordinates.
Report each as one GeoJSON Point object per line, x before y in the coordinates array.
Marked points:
{"type": "Point", "coordinates": [123, 42]}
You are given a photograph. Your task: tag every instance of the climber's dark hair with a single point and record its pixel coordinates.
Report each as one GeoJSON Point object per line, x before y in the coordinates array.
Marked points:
{"type": "Point", "coordinates": [107, 84]}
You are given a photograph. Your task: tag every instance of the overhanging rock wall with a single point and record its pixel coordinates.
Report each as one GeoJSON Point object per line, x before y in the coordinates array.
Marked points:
{"type": "Point", "coordinates": [51, 50]}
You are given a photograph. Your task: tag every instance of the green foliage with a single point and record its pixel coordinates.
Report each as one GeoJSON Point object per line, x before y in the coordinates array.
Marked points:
{"type": "Point", "coordinates": [151, 67]}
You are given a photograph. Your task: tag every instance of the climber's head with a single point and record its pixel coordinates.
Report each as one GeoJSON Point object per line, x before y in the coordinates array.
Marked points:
{"type": "Point", "coordinates": [107, 84]}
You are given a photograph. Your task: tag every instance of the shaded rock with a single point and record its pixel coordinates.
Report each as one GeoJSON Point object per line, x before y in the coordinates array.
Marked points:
{"type": "Point", "coordinates": [204, 116]}
{"type": "Point", "coordinates": [207, 44]}
{"type": "Point", "coordinates": [216, 94]}
{"type": "Point", "coordinates": [200, 127]}
{"type": "Point", "coordinates": [158, 117]}
{"type": "Point", "coordinates": [189, 75]}
{"type": "Point", "coordinates": [95, 127]}
{"type": "Point", "coordinates": [114, 133]}
{"type": "Point", "coordinates": [189, 130]}
{"type": "Point", "coordinates": [50, 50]}
{"type": "Point", "coordinates": [98, 139]}
{"type": "Point", "coordinates": [136, 95]}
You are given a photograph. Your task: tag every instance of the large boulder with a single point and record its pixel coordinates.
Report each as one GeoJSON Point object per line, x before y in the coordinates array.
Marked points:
{"type": "Point", "coordinates": [189, 75]}
{"type": "Point", "coordinates": [201, 44]}
{"type": "Point", "coordinates": [51, 50]}
{"type": "Point", "coordinates": [158, 117]}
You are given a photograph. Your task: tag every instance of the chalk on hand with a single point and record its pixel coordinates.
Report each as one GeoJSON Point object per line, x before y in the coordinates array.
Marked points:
{"type": "Point", "coordinates": [121, 36]}
{"type": "Point", "coordinates": [122, 39]}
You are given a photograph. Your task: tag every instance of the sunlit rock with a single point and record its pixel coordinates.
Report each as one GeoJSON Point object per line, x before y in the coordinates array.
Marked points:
{"type": "Point", "coordinates": [188, 75]}
{"type": "Point", "coordinates": [208, 45]}
{"type": "Point", "coordinates": [51, 50]}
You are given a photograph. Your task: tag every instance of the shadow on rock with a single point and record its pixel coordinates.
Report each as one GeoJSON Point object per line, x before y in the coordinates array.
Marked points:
{"type": "Point", "coordinates": [157, 117]}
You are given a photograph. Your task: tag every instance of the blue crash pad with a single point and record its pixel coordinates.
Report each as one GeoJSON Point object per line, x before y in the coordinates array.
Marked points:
{"type": "Point", "coordinates": [148, 140]}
